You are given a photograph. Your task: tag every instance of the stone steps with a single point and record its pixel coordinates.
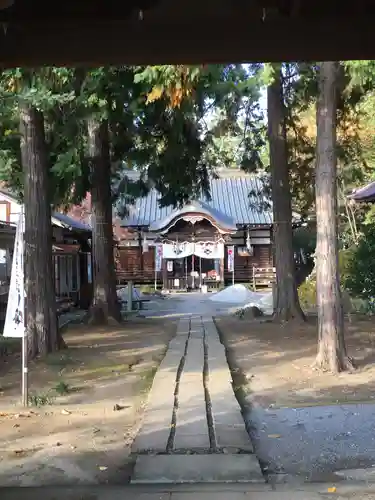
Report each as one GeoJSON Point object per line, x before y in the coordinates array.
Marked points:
{"type": "Point", "coordinates": [193, 429]}
{"type": "Point", "coordinates": [212, 468]}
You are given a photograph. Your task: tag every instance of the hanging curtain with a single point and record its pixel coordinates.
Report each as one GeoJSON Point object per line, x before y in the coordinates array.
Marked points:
{"type": "Point", "coordinates": [205, 250]}
{"type": "Point", "coordinates": [177, 250]}
{"type": "Point", "coordinates": [209, 250]}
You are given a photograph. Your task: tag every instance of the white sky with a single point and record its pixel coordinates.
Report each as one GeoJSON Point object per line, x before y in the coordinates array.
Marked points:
{"type": "Point", "coordinates": [263, 102]}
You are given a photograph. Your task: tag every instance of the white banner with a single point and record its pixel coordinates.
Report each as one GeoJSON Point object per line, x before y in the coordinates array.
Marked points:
{"type": "Point", "coordinates": [209, 250]}
{"type": "Point", "coordinates": [205, 250]}
{"type": "Point", "coordinates": [158, 257]}
{"type": "Point", "coordinates": [177, 250]}
{"type": "Point", "coordinates": [231, 258]}
{"type": "Point", "coordinates": [15, 315]}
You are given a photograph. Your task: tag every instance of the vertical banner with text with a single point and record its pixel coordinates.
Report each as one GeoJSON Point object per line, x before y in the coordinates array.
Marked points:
{"type": "Point", "coordinates": [158, 257]}
{"type": "Point", "coordinates": [230, 258]}
{"type": "Point", "coordinates": [15, 316]}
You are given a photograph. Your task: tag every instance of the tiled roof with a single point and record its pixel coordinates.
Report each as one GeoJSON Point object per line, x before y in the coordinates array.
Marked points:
{"type": "Point", "coordinates": [365, 193]}
{"type": "Point", "coordinates": [70, 222]}
{"type": "Point", "coordinates": [240, 198]}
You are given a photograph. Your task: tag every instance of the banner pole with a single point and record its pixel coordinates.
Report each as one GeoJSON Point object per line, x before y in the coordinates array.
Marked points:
{"type": "Point", "coordinates": [25, 382]}
{"type": "Point", "coordinates": [25, 369]}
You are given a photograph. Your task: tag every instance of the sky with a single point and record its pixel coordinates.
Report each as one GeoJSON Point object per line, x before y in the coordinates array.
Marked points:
{"type": "Point", "coordinates": [263, 102]}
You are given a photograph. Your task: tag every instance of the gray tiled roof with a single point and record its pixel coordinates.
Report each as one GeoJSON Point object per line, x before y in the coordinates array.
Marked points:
{"type": "Point", "coordinates": [70, 222]}
{"type": "Point", "coordinates": [240, 198]}
{"type": "Point", "coordinates": [365, 193]}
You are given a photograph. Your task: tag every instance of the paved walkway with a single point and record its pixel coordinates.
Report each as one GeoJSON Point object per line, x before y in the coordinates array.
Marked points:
{"type": "Point", "coordinates": [193, 430]}
{"type": "Point", "coordinates": [195, 492]}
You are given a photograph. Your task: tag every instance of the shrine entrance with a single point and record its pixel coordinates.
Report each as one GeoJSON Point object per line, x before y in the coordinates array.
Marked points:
{"type": "Point", "coordinates": [192, 243]}
{"type": "Point", "coordinates": [193, 273]}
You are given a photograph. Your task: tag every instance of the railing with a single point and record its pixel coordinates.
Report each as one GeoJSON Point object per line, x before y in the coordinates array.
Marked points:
{"type": "Point", "coordinates": [138, 277]}
{"type": "Point", "coordinates": [263, 277]}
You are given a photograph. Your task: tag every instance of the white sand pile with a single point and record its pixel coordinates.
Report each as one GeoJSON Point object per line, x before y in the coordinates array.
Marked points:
{"type": "Point", "coordinates": [235, 294]}
{"type": "Point", "coordinates": [122, 294]}
{"type": "Point", "coordinates": [245, 298]}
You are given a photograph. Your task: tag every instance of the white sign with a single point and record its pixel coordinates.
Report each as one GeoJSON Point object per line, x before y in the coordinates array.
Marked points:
{"type": "Point", "coordinates": [205, 250]}
{"type": "Point", "coordinates": [170, 266]}
{"type": "Point", "coordinates": [231, 258]}
{"type": "Point", "coordinates": [177, 250]}
{"type": "Point", "coordinates": [158, 257]}
{"type": "Point", "coordinates": [208, 250]}
{"type": "Point", "coordinates": [15, 315]}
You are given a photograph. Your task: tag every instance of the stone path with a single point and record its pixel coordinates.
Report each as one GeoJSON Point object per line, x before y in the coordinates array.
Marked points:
{"type": "Point", "coordinates": [193, 429]}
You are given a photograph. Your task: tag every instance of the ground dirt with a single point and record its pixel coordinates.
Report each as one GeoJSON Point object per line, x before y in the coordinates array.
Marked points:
{"type": "Point", "coordinates": [305, 425]}
{"type": "Point", "coordinates": [83, 435]}
{"type": "Point", "coordinates": [278, 359]}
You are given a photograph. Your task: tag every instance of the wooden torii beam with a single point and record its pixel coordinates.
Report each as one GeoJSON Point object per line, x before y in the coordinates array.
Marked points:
{"type": "Point", "coordinates": [165, 32]}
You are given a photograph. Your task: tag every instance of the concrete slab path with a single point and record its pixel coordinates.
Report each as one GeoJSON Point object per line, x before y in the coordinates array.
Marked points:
{"type": "Point", "coordinates": [193, 492]}
{"type": "Point", "coordinates": [193, 430]}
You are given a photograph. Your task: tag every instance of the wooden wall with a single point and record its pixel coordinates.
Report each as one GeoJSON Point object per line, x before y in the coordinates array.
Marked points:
{"type": "Point", "coordinates": [243, 265]}
{"type": "Point", "coordinates": [136, 265]}
{"type": "Point", "coordinates": [140, 267]}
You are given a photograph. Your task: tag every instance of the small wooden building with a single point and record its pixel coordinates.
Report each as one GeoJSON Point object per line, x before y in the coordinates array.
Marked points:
{"type": "Point", "coordinates": [70, 245]}
{"type": "Point", "coordinates": [225, 240]}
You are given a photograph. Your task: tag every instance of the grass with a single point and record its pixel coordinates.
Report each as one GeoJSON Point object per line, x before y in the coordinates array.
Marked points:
{"type": "Point", "coordinates": [41, 399]}
{"type": "Point", "coordinates": [60, 360]}
{"type": "Point", "coordinates": [62, 388]}
{"type": "Point", "coordinates": [9, 346]}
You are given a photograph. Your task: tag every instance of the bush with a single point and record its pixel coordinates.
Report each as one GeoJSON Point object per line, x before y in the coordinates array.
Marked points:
{"type": "Point", "coordinates": [307, 291]}
{"type": "Point", "coordinates": [359, 277]}
{"type": "Point", "coordinates": [307, 294]}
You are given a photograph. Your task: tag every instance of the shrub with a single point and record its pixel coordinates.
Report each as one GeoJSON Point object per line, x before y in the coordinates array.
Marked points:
{"type": "Point", "coordinates": [307, 291]}
{"type": "Point", "coordinates": [359, 277]}
{"type": "Point", "coordinates": [307, 294]}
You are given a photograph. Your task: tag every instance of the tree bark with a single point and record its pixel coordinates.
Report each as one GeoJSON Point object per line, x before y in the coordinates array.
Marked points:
{"type": "Point", "coordinates": [287, 304]}
{"type": "Point", "coordinates": [41, 319]}
{"type": "Point", "coordinates": [105, 306]}
{"type": "Point", "coordinates": [332, 354]}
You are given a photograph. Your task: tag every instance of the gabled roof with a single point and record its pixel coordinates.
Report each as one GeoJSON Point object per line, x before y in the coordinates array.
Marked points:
{"type": "Point", "coordinates": [57, 218]}
{"type": "Point", "coordinates": [200, 207]}
{"type": "Point", "coordinates": [365, 193]}
{"type": "Point", "coordinates": [68, 222]}
{"type": "Point", "coordinates": [239, 199]}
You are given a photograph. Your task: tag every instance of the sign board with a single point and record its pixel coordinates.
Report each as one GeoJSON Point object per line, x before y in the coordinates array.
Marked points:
{"type": "Point", "coordinates": [170, 266]}
{"type": "Point", "coordinates": [15, 315]}
{"type": "Point", "coordinates": [230, 250]}
{"type": "Point", "coordinates": [158, 257]}
{"type": "Point", "coordinates": [176, 283]}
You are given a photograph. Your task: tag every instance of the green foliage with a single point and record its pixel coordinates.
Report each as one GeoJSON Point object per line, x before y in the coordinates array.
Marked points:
{"type": "Point", "coordinates": [360, 278]}
{"type": "Point", "coordinates": [198, 109]}
{"type": "Point", "coordinates": [157, 123]}
{"type": "Point", "coordinates": [42, 399]}
{"type": "Point", "coordinates": [355, 148]}
{"type": "Point", "coordinates": [307, 294]}
{"type": "Point", "coordinates": [62, 388]}
{"type": "Point", "coordinates": [307, 290]}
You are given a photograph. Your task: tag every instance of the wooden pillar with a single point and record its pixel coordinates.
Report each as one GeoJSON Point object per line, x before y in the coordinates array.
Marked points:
{"type": "Point", "coordinates": [140, 247]}
{"type": "Point", "coordinates": [222, 266]}
{"type": "Point", "coordinates": [165, 274]}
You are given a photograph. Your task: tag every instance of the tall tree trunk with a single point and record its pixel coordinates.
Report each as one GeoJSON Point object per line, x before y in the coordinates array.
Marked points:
{"type": "Point", "coordinates": [105, 305]}
{"type": "Point", "coordinates": [41, 320]}
{"type": "Point", "coordinates": [332, 354]}
{"type": "Point", "coordinates": [287, 304]}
